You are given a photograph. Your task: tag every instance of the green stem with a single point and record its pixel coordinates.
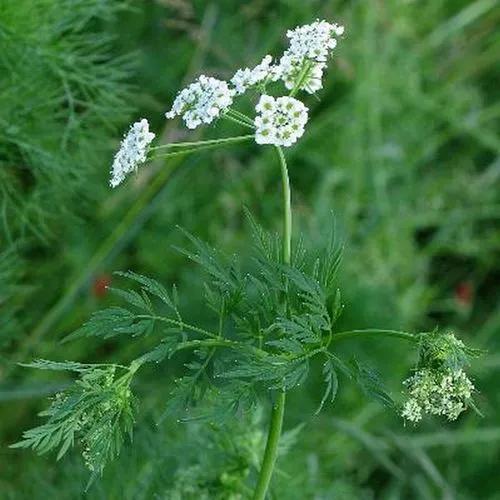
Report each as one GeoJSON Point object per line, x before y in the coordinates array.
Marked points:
{"type": "Point", "coordinates": [180, 324]}
{"type": "Point", "coordinates": [224, 140]}
{"type": "Point", "coordinates": [287, 208]}
{"type": "Point", "coordinates": [374, 331]}
{"type": "Point", "coordinates": [241, 116]}
{"type": "Point", "coordinates": [197, 344]}
{"type": "Point", "coordinates": [271, 452]}
{"type": "Point", "coordinates": [278, 411]}
{"type": "Point", "coordinates": [233, 118]}
{"type": "Point", "coordinates": [204, 145]}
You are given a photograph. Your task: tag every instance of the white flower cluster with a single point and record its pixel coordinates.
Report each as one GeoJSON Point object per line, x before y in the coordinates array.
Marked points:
{"type": "Point", "coordinates": [249, 77]}
{"type": "Point", "coordinates": [303, 63]}
{"type": "Point", "coordinates": [437, 392]}
{"type": "Point", "coordinates": [202, 101]}
{"type": "Point", "coordinates": [302, 66]}
{"type": "Point", "coordinates": [314, 41]}
{"type": "Point", "coordinates": [133, 151]}
{"type": "Point", "coordinates": [279, 121]}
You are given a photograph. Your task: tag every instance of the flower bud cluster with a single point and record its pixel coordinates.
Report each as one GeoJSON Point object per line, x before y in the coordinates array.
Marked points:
{"type": "Point", "coordinates": [314, 41]}
{"type": "Point", "coordinates": [302, 65]}
{"type": "Point", "coordinates": [446, 393]}
{"type": "Point", "coordinates": [246, 78]}
{"type": "Point", "coordinates": [439, 386]}
{"type": "Point", "coordinates": [133, 151]}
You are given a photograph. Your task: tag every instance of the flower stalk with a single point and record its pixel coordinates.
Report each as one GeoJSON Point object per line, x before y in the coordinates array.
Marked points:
{"type": "Point", "coordinates": [184, 148]}
{"type": "Point", "coordinates": [278, 410]}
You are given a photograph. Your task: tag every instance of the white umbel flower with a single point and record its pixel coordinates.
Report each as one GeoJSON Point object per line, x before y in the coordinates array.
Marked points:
{"type": "Point", "coordinates": [202, 101]}
{"type": "Point", "coordinates": [437, 392]}
{"type": "Point", "coordinates": [133, 151]}
{"type": "Point", "coordinates": [279, 121]}
{"type": "Point", "coordinates": [314, 41]}
{"type": "Point", "coordinates": [246, 78]}
{"type": "Point", "coordinates": [291, 69]}
{"type": "Point", "coordinates": [304, 61]}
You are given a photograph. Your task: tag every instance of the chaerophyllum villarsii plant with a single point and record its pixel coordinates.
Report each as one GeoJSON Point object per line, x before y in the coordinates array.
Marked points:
{"type": "Point", "coordinates": [272, 319]}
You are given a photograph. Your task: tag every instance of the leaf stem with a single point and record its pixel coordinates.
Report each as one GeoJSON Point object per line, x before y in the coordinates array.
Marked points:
{"type": "Point", "coordinates": [194, 344]}
{"type": "Point", "coordinates": [374, 331]}
{"type": "Point", "coordinates": [278, 410]}
{"type": "Point", "coordinates": [181, 324]}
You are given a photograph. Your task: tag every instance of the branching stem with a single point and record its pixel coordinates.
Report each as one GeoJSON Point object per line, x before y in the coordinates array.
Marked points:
{"type": "Point", "coordinates": [278, 410]}
{"type": "Point", "coordinates": [237, 119]}
{"type": "Point", "coordinates": [241, 116]}
{"type": "Point", "coordinates": [208, 142]}
{"type": "Point", "coordinates": [194, 147]}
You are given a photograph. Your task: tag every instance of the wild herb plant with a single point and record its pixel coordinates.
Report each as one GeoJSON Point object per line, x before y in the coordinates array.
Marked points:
{"type": "Point", "coordinates": [272, 318]}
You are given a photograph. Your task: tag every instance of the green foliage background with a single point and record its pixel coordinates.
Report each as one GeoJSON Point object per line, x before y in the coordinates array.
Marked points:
{"type": "Point", "coordinates": [403, 148]}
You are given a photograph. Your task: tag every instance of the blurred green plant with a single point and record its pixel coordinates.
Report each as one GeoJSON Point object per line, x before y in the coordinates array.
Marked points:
{"type": "Point", "coordinates": [62, 93]}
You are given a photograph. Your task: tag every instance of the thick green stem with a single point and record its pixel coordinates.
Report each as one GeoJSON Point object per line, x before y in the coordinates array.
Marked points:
{"type": "Point", "coordinates": [271, 452]}
{"type": "Point", "coordinates": [278, 411]}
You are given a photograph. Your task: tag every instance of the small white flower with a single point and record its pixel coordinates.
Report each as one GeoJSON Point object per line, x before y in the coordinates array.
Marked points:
{"type": "Point", "coordinates": [412, 411]}
{"type": "Point", "coordinates": [267, 104]}
{"type": "Point", "coordinates": [437, 392]}
{"type": "Point", "coordinates": [279, 121]}
{"type": "Point", "coordinates": [133, 151]}
{"type": "Point", "coordinates": [202, 101]}
{"type": "Point", "coordinates": [291, 68]}
{"type": "Point", "coordinates": [314, 41]}
{"type": "Point", "coordinates": [249, 77]}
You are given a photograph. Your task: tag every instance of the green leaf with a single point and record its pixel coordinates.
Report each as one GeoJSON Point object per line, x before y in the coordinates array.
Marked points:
{"type": "Point", "coordinates": [45, 364]}
{"type": "Point", "coordinates": [370, 383]}
{"type": "Point", "coordinates": [331, 381]}
{"type": "Point", "coordinates": [97, 411]}
{"type": "Point", "coordinates": [151, 286]}
{"type": "Point", "coordinates": [111, 322]}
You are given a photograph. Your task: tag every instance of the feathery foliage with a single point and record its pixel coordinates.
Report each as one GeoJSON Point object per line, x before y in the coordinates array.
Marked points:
{"type": "Point", "coordinates": [273, 318]}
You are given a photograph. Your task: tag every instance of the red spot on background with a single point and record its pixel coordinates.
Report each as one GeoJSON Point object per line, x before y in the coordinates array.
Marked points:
{"type": "Point", "coordinates": [464, 293]}
{"type": "Point", "coordinates": [100, 285]}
